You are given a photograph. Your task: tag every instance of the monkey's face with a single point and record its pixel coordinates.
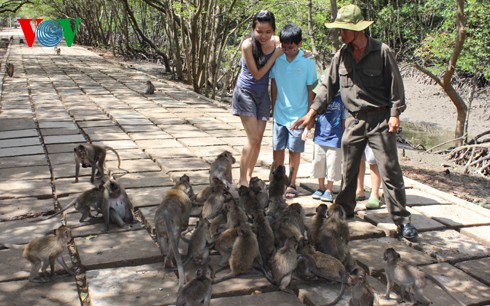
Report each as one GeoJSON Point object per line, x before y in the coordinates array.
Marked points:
{"type": "Point", "coordinates": [227, 156]}
{"type": "Point", "coordinates": [357, 275]}
{"type": "Point", "coordinates": [114, 190]}
{"type": "Point", "coordinates": [390, 255]}
{"type": "Point", "coordinates": [256, 184]}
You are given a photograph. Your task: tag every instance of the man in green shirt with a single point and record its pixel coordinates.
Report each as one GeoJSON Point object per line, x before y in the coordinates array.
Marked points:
{"type": "Point", "coordinates": [366, 74]}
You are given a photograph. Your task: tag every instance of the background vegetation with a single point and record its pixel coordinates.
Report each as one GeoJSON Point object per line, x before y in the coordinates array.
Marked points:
{"type": "Point", "coordinates": [198, 40]}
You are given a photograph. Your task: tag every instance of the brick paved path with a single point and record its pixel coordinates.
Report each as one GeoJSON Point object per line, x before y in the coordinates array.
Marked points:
{"type": "Point", "coordinates": [55, 102]}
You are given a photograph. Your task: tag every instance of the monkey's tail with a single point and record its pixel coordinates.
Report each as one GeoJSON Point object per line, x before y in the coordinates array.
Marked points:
{"type": "Point", "coordinates": [342, 290]}
{"type": "Point", "coordinates": [72, 203]}
{"type": "Point", "coordinates": [118, 158]}
{"type": "Point", "coordinates": [438, 283]}
{"type": "Point", "coordinates": [175, 249]}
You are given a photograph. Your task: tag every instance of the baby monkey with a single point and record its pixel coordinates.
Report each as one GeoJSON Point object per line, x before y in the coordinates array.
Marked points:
{"type": "Point", "coordinates": [57, 50]}
{"type": "Point", "coordinates": [42, 251]}
{"type": "Point", "coordinates": [410, 278]}
{"type": "Point", "coordinates": [362, 293]}
{"type": "Point", "coordinates": [150, 88]}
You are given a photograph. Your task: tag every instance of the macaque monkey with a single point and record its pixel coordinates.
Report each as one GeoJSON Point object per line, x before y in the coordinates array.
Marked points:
{"type": "Point", "coordinates": [259, 189]}
{"type": "Point", "coordinates": [92, 198]}
{"type": "Point", "coordinates": [198, 249]}
{"type": "Point", "coordinates": [277, 188]}
{"type": "Point", "coordinates": [91, 155]}
{"type": "Point", "coordinates": [362, 293]}
{"type": "Point", "coordinates": [150, 88]}
{"type": "Point", "coordinates": [214, 203]}
{"type": "Point", "coordinates": [42, 251]}
{"type": "Point", "coordinates": [265, 236]}
{"type": "Point", "coordinates": [221, 169]}
{"type": "Point", "coordinates": [283, 264]}
{"type": "Point", "coordinates": [9, 67]}
{"type": "Point", "coordinates": [244, 253]}
{"type": "Point", "coordinates": [171, 217]}
{"type": "Point", "coordinates": [235, 216]}
{"type": "Point", "coordinates": [198, 291]}
{"type": "Point", "coordinates": [332, 236]}
{"type": "Point", "coordinates": [313, 264]}
{"type": "Point", "coordinates": [57, 50]}
{"type": "Point", "coordinates": [116, 207]}
{"type": "Point", "coordinates": [410, 279]}
{"type": "Point", "coordinates": [290, 224]}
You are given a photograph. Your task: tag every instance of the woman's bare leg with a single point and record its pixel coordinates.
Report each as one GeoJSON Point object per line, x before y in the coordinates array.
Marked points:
{"type": "Point", "coordinates": [254, 129]}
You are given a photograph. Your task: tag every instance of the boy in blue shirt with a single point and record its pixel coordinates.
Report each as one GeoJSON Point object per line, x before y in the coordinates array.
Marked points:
{"type": "Point", "coordinates": [292, 76]}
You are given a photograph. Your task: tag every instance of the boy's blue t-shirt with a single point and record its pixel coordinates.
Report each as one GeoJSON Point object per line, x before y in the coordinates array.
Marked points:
{"type": "Point", "coordinates": [328, 129]}
{"type": "Point", "coordinates": [291, 80]}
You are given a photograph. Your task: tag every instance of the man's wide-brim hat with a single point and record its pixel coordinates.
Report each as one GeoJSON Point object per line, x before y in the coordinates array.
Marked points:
{"type": "Point", "coordinates": [349, 17]}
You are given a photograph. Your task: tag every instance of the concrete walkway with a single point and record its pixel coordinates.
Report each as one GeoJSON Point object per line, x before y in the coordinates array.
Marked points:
{"type": "Point", "coordinates": [55, 102]}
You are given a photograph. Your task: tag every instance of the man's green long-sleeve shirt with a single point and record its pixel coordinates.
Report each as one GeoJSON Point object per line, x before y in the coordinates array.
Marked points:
{"type": "Point", "coordinates": [373, 82]}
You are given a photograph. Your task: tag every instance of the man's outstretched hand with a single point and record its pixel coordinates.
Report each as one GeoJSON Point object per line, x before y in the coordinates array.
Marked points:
{"type": "Point", "coordinates": [304, 121]}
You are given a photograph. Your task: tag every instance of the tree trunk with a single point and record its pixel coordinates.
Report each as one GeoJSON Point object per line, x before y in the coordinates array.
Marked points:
{"type": "Point", "coordinates": [445, 82]}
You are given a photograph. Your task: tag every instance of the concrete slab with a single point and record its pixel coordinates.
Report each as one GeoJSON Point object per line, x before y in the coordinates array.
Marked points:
{"type": "Point", "coordinates": [141, 197]}
{"type": "Point", "coordinates": [50, 124]}
{"type": "Point", "coordinates": [417, 197]}
{"type": "Point", "coordinates": [479, 233]}
{"type": "Point", "coordinates": [108, 136]}
{"type": "Point", "coordinates": [25, 173]}
{"type": "Point", "coordinates": [269, 298]}
{"type": "Point", "coordinates": [19, 142]}
{"type": "Point", "coordinates": [62, 148]}
{"type": "Point", "coordinates": [464, 287]}
{"type": "Point", "coordinates": [453, 215]}
{"type": "Point", "coordinates": [135, 165]}
{"type": "Point", "coordinates": [95, 123]}
{"type": "Point", "coordinates": [169, 153]}
{"type": "Point", "coordinates": [364, 230]}
{"type": "Point", "coordinates": [164, 121]}
{"type": "Point", "coordinates": [450, 246]}
{"type": "Point", "coordinates": [140, 128]}
{"type": "Point", "coordinates": [20, 151]}
{"type": "Point", "coordinates": [202, 142]}
{"type": "Point", "coordinates": [196, 177]}
{"type": "Point", "coordinates": [145, 179]}
{"type": "Point", "coordinates": [383, 220]}
{"type": "Point", "coordinates": [477, 268]}
{"type": "Point", "coordinates": [159, 143]}
{"type": "Point", "coordinates": [118, 144]}
{"type": "Point", "coordinates": [40, 188]}
{"type": "Point", "coordinates": [182, 164]}
{"type": "Point", "coordinates": [149, 285]}
{"type": "Point", "coordinates": [23, 231]}
{"type": "Point", "coordinates": [369, 253]}
{"type": "Point", "coordinates": [62, 291]}
{"type": "Point", "coordinates": [142, 121]}
{"type": "Point", "coordinates": [23, 161]}
{"type": "Point", "coordinates": [13, 124]}
{"type": "Point", "coordinates": [62, 158]}
{"type": "Point", "coordinates": [56, 131]}
{"type": "Point", "coordinates": [24, 208]}
{"type": "Point", "coordinates": [149, 135]}
{"type": "Point", "coordinates": [133, 248]}
{"type": "Point", "coordinates": [64, 139]}
{"type": "Point", "coordinates": [211, 152]}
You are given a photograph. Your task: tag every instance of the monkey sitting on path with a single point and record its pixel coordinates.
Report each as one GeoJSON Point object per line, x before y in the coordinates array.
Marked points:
{"type": "Point", "coordinates": [42, 251]}
{"type": "Point", "coordinates": [410, 279]}
{"type": "Point", "coordinates": [362, 293]}
{"type": "Point", "coordinates": [116, 206]}
{"type": "Point", "coordinates": [198, 291]}
{"type": "Point", "coordinates": [150, 88]}
{"type": "Point", "coordinates": [221, 169]}
{"type": "Point", "coordinates": [91, 155]}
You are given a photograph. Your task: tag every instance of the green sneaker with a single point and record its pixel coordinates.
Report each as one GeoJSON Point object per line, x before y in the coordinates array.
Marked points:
{"type": "Point", "coordinates": [372, 203]}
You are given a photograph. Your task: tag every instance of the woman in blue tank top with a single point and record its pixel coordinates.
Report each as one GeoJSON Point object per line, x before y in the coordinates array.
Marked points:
{"type": "Point", "coordinates": [251, 99]}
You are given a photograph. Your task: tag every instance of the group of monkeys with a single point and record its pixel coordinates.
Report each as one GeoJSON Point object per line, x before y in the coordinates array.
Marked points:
{"type": "Point", "coordinates": [253, 230]}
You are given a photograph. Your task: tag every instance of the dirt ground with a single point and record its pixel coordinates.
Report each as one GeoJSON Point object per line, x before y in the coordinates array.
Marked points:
{"type": "Point", "coordinates": [429, 104]}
